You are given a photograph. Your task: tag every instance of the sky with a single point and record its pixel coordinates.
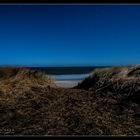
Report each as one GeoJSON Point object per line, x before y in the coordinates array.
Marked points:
{"type": "Point", "coordinates": [69, 35]}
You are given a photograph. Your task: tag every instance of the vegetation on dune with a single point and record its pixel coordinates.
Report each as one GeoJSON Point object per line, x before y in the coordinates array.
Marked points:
{"type": "Point", "coordinates": [119, 87]}
{"type": "Point", "coordinates": [114, 79]}
{"type": "Point", "coordinates": [16, 76]}
{"type": "Point", "coordinates": [15, 80]}
{"type": "Point", "coordinates": [105, 103]}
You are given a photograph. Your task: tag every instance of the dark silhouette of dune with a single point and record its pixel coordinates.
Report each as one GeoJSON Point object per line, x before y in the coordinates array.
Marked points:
{"type": "Point", "coordinates": [105, 103]}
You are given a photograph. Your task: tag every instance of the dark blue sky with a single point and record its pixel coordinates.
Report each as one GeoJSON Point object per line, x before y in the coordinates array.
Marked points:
{"type": "Point", "coordinates": [63, 35]}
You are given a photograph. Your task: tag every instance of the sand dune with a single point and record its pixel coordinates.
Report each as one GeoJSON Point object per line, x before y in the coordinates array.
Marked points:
{"type": "Point", "coordinates": [31, 104]}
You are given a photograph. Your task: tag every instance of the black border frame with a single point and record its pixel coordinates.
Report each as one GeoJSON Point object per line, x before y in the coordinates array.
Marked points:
{"type": "Point", "coordinates": [67, 2]}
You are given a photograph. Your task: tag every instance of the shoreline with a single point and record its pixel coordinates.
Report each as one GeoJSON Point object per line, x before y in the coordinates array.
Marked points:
{"type": "Point", "coordinates": [68, 80]}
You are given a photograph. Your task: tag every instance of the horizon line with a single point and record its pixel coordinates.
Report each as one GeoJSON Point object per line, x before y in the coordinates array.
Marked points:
{"type": "Point", "coordinates": [97, 65]}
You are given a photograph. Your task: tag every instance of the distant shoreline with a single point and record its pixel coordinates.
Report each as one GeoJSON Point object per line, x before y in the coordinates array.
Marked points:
{"type": "Point", "coordinates": [68, 80]}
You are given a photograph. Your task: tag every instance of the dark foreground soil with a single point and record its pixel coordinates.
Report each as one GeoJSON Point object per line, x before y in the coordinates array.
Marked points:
{"type": "Point", "coordinates": [57, 111]}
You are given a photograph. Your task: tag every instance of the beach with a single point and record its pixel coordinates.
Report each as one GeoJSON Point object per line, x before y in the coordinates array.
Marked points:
{"type": "Point", "coordinates": [67, 84]}
{"type": "Point", "coordinates": [68, 80]}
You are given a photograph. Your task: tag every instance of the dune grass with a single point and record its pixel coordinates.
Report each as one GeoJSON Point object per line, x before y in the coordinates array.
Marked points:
{"type": "Point", "coordinates": [105, 103]}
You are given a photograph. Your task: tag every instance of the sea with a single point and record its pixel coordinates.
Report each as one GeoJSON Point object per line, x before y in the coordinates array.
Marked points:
{"type": "Point", "coordinates": [67, 77]}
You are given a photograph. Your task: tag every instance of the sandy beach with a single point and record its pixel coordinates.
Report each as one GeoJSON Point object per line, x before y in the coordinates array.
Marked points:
{"type": "Point", "coordinates": [67, 84]}
{"type": "Point", "coordinates": [68, 80]}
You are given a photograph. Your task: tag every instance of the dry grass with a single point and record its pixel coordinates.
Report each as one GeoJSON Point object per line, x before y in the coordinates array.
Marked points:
{"type": "Point", "coordinates": [115, 79]}
{"type": "Point", "coordinates": [30, 104]}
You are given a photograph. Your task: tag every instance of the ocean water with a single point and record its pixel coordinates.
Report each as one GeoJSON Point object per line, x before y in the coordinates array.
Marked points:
{"type": "Point", "coordinates": [68, 80]}
{"type": "Point", "coordinates": [67, 77]}
{"type": "Point", "coordinates": [64, 70]}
